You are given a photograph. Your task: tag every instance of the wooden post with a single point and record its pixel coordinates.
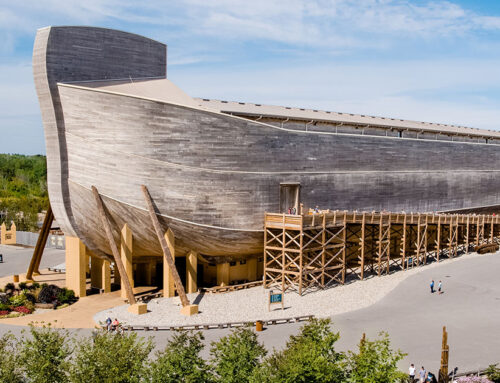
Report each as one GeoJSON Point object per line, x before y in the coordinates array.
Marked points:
{"type": "Point", "coordinates": [40, 244]}
{"type": "Point", "coordinates": [168, 279]}
{"type": "Point", "coordinates": [301, 260]}
{"type": "Point", "coordinates": [403, 244]}
{"type": "Point", "coordinates": [251, 269]}
{"type": "Point", "coordinates": [126, 254]}
{"type": "Point", "coordinates": [362, 245]}
{"type": "Point", "coordinates": [76, 279]}
{"type": "Point", "coordinates": [112, 245]}
{"type": "Point", "coordinates": [100, 274]}
{"type": "Point", "coordinates": [3, 236]}
{"type": "Point", "coordinates": [191, 272]}
{"type": "Point", "coordinates": [445, 354]}
{"type": "Point", "coordinates": [438, 242]}
{"type": "Point", "coordinates": [344, 240]}
{"type": "Point", "coordinates": [223, 274]}
{"type": "Point", "coordinates": [323, 251]}
{"type": "Point", "coordinates": [166, 251]}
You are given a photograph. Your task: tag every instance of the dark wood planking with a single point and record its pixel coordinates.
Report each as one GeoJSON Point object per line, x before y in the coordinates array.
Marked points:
{"type": "Point", "coordinates": [78, 54]}
{"type": "Point", "coordinates": [213, 169]}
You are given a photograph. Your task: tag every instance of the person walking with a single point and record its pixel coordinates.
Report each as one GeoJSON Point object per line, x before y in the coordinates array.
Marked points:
{"type": "Point", "coordinates": [422, 373]}
{"type": "Point", "coordinates": [411, 372]}
{"type": "Point", "coordinates": [108, 323]}
{"type": "Point", "coordinates": [432, 286]}
{"type": "Point", "coordinates": [440, 287]}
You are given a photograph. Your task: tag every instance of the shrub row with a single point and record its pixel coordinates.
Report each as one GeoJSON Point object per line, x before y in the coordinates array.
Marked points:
{"type": "Point", "coordinates": [22, 299]}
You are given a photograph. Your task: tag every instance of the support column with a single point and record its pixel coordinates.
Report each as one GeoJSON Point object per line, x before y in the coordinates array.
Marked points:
{"type": "Point", "coordinates": [100, 274]}
{"type": "Point", "coordinates": [168, 279]}
{"type": "Point", "coordinates": [148, 276]}
{"type": "Point", "coordinates": [76, 279]}
{"type": "Point", "coordinates": [117, 279]}
{"type": "Point", "coordinates": [126, 256]}
{"type": "Point", "coordinates": [191, 272]}
{"type": "Point", "coordinates": [252, 269]}
{"type": "Point", "coordinates": [223, 274]}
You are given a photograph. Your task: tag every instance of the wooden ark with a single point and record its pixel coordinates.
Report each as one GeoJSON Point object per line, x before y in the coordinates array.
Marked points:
{"type": "Point", "coordinates": [113, 120]}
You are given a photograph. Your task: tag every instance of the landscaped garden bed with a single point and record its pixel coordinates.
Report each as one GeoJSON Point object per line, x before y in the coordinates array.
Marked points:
{"type": "Point", "coordinates": [24, 298]}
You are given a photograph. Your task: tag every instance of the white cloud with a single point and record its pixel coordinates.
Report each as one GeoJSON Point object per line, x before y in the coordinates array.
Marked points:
{"type": "Point", "coordinates": [334, 23]}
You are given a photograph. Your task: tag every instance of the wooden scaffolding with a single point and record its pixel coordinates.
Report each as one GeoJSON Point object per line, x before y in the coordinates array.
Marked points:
{"type": "Point", "coordinates": [332, 247]}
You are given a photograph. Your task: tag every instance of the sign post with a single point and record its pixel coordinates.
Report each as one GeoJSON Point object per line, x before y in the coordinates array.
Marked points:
{"type": "Point", "coordinates": [276, 298]}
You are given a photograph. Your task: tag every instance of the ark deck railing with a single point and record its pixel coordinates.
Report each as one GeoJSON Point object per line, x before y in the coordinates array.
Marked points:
{"type": "Point", "coordinates": [334, 247]}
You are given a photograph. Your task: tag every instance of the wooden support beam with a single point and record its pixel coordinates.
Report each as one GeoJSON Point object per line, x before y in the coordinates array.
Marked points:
{"type": "Point", "coordinates": [41, 242]}
{"type": "Point", "coordinates": [100, 274]}
{"type": "Point", "coordinates": [223, 274]}
{"type": "Point", "coordinates": [168, 278]}
{"type": "Point", "coordinates": [252, 269]}
{"type": "Point", "coordinates": [362, 246]}
{"type": "Point", "coordinates": [76, 279]}
{"type": "Point", "coordinates": [166, 251]}
{"type": "Point", "coordinates": [445, 352]}
{"type": "Point", "coordinates": [126, 255]}
{"type": "Point", "coordinates": [403, 243]}
{"type": "Point", "coordinates": [112, 244]}
{"type": "Point", "coordinates": [191, 272]}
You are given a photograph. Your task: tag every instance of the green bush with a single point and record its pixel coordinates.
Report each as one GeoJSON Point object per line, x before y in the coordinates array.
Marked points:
{"type": "Point", "coordinates": [9, 369]}
{"type": "Point", "coordinates": [34, 286]}
{"type": "Point", "coordinates": [111, 358]}
{"type": "Point", "coordinates": [18, 300]}
{"type": "Point", "coordinates": [181, 361]}
{"type": "Point", "coordinates": [309, 357]}
{"type": "Point", "coordinates": [44, 355]}
{"type": "Point", "coordinates": [375, 362]}
{"type": "Point", "coordinates": [66, 296]}
{"type": "Point", "coordinates": [23, 286]}
{"type": "Point", "coordinates": [235, 357]}
{"type": "Point", "coordinates": [493, 373]}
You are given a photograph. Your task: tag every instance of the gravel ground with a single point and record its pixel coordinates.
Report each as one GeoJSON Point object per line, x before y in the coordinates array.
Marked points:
{"type": "Point", "coordinates": [251, 304]}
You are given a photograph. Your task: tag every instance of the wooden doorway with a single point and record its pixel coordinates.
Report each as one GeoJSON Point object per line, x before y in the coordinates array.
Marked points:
{"type": "Point", "coordinates": [289, 197]}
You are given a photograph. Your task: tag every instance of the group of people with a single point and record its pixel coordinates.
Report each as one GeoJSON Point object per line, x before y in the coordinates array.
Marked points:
{"type": "Point", "coordinates": [423, 375]}
{"type": "Point", "coordinates": [112, 325]}
{"type": "Point", "coordinates": [439, 289]}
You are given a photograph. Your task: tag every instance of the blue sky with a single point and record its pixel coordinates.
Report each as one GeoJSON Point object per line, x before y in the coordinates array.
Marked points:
{"type": "Point", "coordinates": [433, 61]}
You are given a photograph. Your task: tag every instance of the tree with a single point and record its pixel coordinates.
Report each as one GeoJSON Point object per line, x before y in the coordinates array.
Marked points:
{"type": "Point", "coordinates": [23, 189]}
{"type": "Point", "coordinates": [111, 358]}
{"type": "Point", "coordinates": [9, 371]}
{"type": "Point", "coordinates": [181, 361]}
{"type": "Point", "coordinates": [44, 355]}
{"type": "Point", "coordinates": [375, 362]}
{"type": "Point", "coordinates": [308, 357]}
{"type": "Point", "coordinates": [235, 357]}
{"type": "Point", "coordinates": [493, 373]}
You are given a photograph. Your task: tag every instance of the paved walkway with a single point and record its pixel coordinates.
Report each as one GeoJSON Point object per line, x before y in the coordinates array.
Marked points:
{"type": "Point", "coordinates": [16, 259]}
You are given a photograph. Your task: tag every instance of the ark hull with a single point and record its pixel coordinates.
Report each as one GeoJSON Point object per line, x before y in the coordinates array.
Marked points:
{"type": "Point", "coordinates": [213, 176]}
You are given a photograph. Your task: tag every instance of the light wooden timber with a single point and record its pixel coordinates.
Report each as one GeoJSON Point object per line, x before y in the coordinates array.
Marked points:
{"type": "Point", "coordinates": [326, 248]}
{"type": "Point", "coordinates": [126, 255]}
{"type": "Point", "coordinates": [75, 266]}
{"type": "Point", "coordinates": [168, 279]}
{"type": "Point", "coordinates": [166, 251]}
{"type": "Point", "coordinates": [191, 272]}
{"type": "Point", "coordinates": [40, 245]}
{"type": "Point", "coordinates": [114, 249]}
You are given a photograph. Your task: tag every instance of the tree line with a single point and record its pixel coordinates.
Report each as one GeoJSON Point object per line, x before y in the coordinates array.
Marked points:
{"type": "Point", "coordinates": [23, 190]}
{"type": "Point", "coordinates": [46, 355]}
